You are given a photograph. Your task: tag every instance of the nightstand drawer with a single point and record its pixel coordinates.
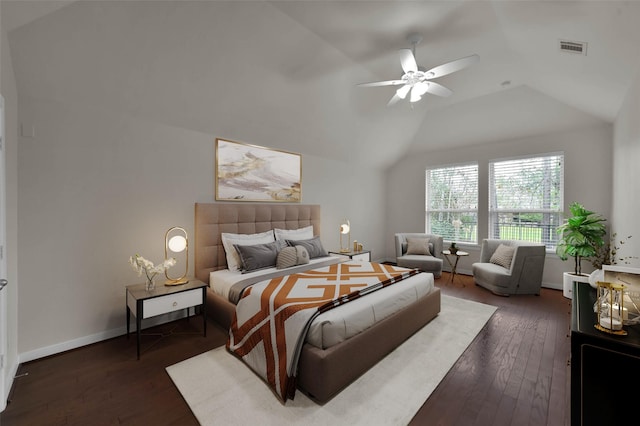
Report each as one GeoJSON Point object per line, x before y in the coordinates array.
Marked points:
{"type": "Point", "coordinates": [362, 257]}
{"type": "Point", "coordinates": [171, 302]}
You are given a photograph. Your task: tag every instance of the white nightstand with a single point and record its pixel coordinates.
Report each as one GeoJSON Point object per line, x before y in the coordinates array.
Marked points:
{"type": "Point", "coordinates": [162, 300]}
{"type": "Point", "coordinates": [363, 255]}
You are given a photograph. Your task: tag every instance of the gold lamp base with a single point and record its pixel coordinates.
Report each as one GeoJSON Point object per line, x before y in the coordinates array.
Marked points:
{"type": "Point", "coordinates": [610, 331]}
{"type": "Point", "coordinates": [176, 282]}
{"type": "Point", "coordinates": [342, 250]}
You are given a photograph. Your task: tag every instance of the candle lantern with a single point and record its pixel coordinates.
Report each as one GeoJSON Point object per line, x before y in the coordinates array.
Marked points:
{"type": "Point", "coordinates": [610, 308]}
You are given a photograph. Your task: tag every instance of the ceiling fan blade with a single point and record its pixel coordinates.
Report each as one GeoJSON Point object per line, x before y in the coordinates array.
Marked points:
{"type": "Point", "coordinates": [408, 61]}
{"type": "Point", "coordinates": [382, 83]}
{"type": "Point", "coordinates": [394, 99]}
{"type": "Point", "coordinates": [452, 66]}
{"type": "Point", "coordinates": [438, 89]}
{"type": "Point", "coordinates": [403, 91]}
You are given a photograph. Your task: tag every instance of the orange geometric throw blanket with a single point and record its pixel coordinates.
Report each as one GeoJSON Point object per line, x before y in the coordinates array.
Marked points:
{"type": "Point", "coordinates": [273, 316]}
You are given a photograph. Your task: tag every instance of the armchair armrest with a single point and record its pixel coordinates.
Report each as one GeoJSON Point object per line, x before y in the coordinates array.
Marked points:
{"type": "Point", "coordinates": [488, 248]}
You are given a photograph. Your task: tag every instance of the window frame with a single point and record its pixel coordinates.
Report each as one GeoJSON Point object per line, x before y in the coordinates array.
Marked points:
{"type": "Point", "coordinates": [470, 211]}
{"type": "Point", "coordinates": [494, 212]}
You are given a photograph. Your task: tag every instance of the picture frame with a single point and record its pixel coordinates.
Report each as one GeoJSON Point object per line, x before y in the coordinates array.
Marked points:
{"type": "Point", "coordinates": [630, 277]}
{"type": "Point", "coordinates": [622, 275]}
{"type": "Point", "coordinates": [245, 172]}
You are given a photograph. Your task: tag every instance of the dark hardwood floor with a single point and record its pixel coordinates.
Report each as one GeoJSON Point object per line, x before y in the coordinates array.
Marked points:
{"type": "Point", "coordinates": [514, 373]}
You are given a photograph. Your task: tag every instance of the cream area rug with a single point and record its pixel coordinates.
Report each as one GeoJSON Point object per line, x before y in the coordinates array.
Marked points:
{"type": "Point", "coordinates": [221, 390]}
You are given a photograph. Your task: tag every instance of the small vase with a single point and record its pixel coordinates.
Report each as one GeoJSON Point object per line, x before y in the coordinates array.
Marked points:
{"type": "Point", "coordinates": [150, 284]}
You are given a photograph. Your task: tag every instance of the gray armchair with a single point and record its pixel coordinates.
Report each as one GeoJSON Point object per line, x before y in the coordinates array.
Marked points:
{"type": "Point", "coordinates": [428, 262]}
{"type": "Point", "coordinates": [524, 274]}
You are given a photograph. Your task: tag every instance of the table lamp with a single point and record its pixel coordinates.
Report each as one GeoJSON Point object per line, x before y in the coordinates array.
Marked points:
{"type": "Point", "coordinates": [345, 229]}
{"type": "Point", "coordinates": [176, 241]}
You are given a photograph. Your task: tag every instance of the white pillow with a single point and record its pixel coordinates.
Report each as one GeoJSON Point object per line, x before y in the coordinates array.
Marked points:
{"type": "Point", "coordinates": [228, 240]}
{"type": "Point", "coordinates": [305, 233]}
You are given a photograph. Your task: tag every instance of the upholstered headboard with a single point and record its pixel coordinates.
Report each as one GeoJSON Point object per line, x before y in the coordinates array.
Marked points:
{"type": "Point", "coordinates": [212, 219]}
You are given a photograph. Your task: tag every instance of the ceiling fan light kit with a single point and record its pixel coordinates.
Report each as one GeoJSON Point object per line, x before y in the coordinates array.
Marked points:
{"type": "Point", "coordinates": [418, 82]}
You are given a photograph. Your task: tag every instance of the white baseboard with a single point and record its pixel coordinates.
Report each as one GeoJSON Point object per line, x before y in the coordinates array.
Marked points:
{"type": "Point", "coordinates": [11, 371]}
{"type": "Point", "coordinates": [553, 286]}
{"type": "Point", "coordinates": [95, 338]}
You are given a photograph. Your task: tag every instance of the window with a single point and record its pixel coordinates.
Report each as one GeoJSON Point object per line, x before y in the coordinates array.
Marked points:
{"type": "Point", "coordinates": [452, 202]}
{"type": "Point", "coordinates": [526, 198]}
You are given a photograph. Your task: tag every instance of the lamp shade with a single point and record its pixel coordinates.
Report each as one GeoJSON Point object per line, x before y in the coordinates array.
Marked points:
{"type": "Point", "coordinates": [176, 241]}
{"type": "Point", "coordinates": [403, 91]}
{"type": "Point", "coordinates": [345, 228]}
{"type": "Point", "coordinates": [415, 95]}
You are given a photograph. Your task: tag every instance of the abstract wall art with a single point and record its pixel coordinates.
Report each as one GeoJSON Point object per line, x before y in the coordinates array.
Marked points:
{"type": "Point", "coordinates": [247, 172]}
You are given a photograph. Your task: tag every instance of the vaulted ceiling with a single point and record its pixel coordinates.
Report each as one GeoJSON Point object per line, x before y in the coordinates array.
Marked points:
{"type": "Point", "coordinates": [284, 73]}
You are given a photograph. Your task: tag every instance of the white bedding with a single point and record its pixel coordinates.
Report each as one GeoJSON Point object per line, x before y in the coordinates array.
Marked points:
{"type": "Point", "coordinates": [343, 322]}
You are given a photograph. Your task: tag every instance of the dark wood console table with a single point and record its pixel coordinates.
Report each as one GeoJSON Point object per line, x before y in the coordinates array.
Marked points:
{"type": "Point", "coordinates": [605, 369]}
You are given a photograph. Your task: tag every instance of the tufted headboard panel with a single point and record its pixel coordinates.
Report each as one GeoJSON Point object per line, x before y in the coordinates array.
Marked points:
{"type": "Point", "coordinates": [212, 219]}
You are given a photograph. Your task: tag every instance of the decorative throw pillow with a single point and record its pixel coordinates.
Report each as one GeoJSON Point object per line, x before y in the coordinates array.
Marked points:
{"type": "Point", "coordinates": [292, 256]}
{"type": "Point", "coordinates": [313, 246]}
{"type": "Point", "coordinates": [503, 256]}
{"type": "Point", "coordinates": [258, 256]}
{"type": "Point", "coordinates": [294, 234]}
{"type": "Point", "coordinates": [418, 246]}
{"type": "Point", "coordinates": [404, 248]}
{"type": "Point", "coordinates": [229, 240]}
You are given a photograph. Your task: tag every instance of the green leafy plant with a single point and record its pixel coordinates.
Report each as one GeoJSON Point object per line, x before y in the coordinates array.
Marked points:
{"type": "Point", "coordinates": [581, 236]}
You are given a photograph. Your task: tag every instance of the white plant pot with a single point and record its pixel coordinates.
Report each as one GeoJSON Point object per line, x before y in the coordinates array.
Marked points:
{"type": "Point", "coordinates": [567, 283]}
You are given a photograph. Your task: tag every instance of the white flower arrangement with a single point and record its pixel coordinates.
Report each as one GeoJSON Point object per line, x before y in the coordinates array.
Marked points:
{"type": "Point", "coordinates": [140, 265]}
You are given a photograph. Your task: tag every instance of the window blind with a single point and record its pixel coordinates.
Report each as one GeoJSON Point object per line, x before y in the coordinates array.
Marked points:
{"type": "Point", "coordinates": [526, 196]}
{"type": "Point", "coordinates": [452, 202]}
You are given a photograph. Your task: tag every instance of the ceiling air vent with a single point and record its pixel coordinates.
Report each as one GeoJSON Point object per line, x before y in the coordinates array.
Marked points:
{"type": "Point", "coordinates": [578, 47]}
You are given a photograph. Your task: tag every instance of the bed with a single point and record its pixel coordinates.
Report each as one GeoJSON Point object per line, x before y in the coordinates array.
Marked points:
{"type": "Point", "coordinates": [323, 368]}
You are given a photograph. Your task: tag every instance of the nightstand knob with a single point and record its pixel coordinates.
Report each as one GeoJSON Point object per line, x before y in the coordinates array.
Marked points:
{"type": "Point", "coordinates": [175, 304]}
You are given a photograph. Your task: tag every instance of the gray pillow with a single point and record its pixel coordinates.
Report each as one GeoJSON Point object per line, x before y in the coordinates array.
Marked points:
{"type": "Point", "coordinates": [292, 256]}
{"type": "Point", "coordinates": [313, 246]}
{"type": "Point", "coordinates": [258, 256]}
{"type": "Point", "coordinates": [405, 245]}
{"type": "Point", "coordinates": [420, 246]}
{"type": "Point", "coordinates": [503, 256]}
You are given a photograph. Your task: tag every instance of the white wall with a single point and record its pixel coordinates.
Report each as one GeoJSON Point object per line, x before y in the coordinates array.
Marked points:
{"type": "Point", "coordinates": [626, 175]}
{"type": "Point", "coordinates": [121, 103]}
{"type": "Point", "coordinates": [9, 91]}
{"type": "Point", "coordinates": [96, 187]}
{"type": "Point", "coordinates": [587, 180]}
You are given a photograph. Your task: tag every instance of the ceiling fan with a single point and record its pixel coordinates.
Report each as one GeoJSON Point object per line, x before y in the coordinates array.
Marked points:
{"type": "Point", "coordinates": [418, 82]}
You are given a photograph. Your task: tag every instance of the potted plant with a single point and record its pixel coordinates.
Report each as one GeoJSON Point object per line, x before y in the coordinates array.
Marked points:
{"type": "Point", "coordinates": [581, 237]}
